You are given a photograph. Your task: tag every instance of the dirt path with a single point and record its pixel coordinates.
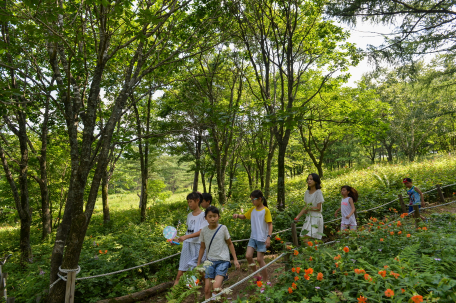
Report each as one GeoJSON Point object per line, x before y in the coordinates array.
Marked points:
{"type": "Point", "coordinates": [246, 289]}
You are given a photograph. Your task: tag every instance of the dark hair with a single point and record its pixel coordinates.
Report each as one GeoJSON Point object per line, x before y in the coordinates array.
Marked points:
{"type": "Point", "coordinates": [316, 179]}
{"type": "Point", "coordinates": [211, 209]}
{"type": "Point", "coordinates": [258, 194]}
{"type": "Point", "coordinates": [407, 180]}
{"type": "Point", "coordinates": [351, 192]}
{"type": "Point", "coordinates": [193, 196]}
{"type": "Point", "coordinates": [207, 197]}
{"type": "Point", "coordinates": [200, 197]}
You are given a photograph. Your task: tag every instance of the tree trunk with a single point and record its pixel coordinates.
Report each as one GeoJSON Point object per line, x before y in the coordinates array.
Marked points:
{"type": "Point", "coordinates": [203, 181]}
{"type": "Point", "coordinates": [45, 210]}
{"type": "Point", "coordinates": [267, 182]}
{"type": "Point", "coordinates": [281, 176]}
{"type": "Point", "coordinates": [197, 161]}
{"type": "Point", "coordinates": [104, 197]}
{"type": "Point", "coordinates": [210, 182]}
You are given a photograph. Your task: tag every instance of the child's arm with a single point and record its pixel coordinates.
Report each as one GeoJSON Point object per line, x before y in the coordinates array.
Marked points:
{"type": "Point", "coordinates": [201, 252]}
{"type": "Point", "coordinates": [194, 235]}
{"type": "Point", "coordinates": [303, 211]}
{"type": "Point", "coordinates": [268, 239]}
{"type": "Point", "coordinates": [238, 216]}
{"type": "Point", "coordinates": [353, 208]}
{"type": "Point", "coordinates": [338, 210]}
{"type": "Point", "coordinates": [233, 253]}
{"type": "Point", "coordinates": [421, 196]}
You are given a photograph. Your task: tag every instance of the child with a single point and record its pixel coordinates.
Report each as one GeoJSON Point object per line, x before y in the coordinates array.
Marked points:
{"type": "Point", "coordinates": [191, 243]}
{"type": "Point", "coordinates": [216, 238]}
{"type": "Point", "coordinates": [415, 195]}
{"type": "Point", "coordinates": [347, 206]}
{"type": "Point", "coordinates": [206, 200]}
{"type": "Point", "coordinates": [314, 200]}
{"type": "Point", "coordinates": [260, 235]}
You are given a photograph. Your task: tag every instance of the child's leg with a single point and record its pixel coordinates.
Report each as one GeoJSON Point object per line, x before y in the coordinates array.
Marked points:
{"type": "Point", "coordinates": [343, 227]}
{"type": "Point", "coordinates": [306, 239]}
{"type": "Point", "coordinates": [249, 257]}
{"type": "Point", "coordinates": [207, 288]}
{"type": "Point", "coordinates": [179, 275]}
{"type": "Point", "coordinates": [260, 259]}
{"type": "Point", "coordinates": [353, 227]}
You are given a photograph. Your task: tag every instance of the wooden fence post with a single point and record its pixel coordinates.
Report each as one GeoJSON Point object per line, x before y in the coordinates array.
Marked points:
{"type": "Point", "coordinates": [294, 234]}
{"type": "Point", "coordinates": [404, 209]}
{"type": "Point", "coordinates": [70, 287]}
{"type": "Point", "coordinates": [416, 214]}
{"type": "Point", "coordinates": [10, 300]}
{"type": "Point", "coordinates": [3, 277]}
{"type": "Point", "coordinates": [439, 190]}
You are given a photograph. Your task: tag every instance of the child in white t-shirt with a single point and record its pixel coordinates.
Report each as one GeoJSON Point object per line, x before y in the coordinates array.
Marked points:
{"type": "Point", "coordinates": [215, 239]}
{"type": "Point", "coordinates": [190, 242]}
{"type": "Point", "coordinates": [260, 235]}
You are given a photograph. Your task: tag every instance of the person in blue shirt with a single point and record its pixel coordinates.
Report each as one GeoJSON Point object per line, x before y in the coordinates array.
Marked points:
{"type": "Point", "coordinates": [415, 195]}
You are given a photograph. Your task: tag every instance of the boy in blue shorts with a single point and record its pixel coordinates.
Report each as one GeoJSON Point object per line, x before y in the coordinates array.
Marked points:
{"type": "Point", "coordinates": [415, 195]}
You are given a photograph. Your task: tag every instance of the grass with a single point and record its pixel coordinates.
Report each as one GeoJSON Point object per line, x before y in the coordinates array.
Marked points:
{"type": "Point", "coordinates": [125, 242]}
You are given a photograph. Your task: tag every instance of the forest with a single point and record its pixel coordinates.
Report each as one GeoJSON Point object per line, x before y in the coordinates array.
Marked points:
{"type": "Point", "coordinates": [111, 112]}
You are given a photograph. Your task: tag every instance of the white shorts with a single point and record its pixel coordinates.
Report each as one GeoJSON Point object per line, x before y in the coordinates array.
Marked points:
{"type": "Point", "coordinates": [189, 256]}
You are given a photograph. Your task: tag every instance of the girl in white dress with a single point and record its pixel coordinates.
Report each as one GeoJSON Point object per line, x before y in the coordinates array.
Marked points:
{"type": "Point", "coordinates": [347, 207]}
{"type": "Point", "coordinates": [313, 226]}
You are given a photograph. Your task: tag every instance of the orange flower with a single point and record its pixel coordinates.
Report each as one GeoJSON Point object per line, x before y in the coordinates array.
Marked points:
{"type": "Point", "coordinates": [293, 285]}
{"type": "Point", "coordinates": [424, 228]}
{"type": "Point", "coordinates": [197, 281]}
{"type": "Point", "coordinates": [337, 257]}
{"type": "Point", "coordinates": [382, 273]}
{"type": "Point", "coordinates": [277, 238]}
{"type": "Point", "coordinates": [298, 269]}
{"type": "Point", "coordinates": [385, 266]}
{"type": "Point", "coordinates": [334, 271]}
{"type": "Point", "coordinates": [399, 232]}
{"type": "Point", "coordinates": [337, 264]}
{"type": "Point", "coordinates": [391, 233]}
{"type": "Point", "coordinates": [106, 251]}
{"type": "Point", "coordinates": [346, 249]}
{"type": "Point", "coordinates": [293, 269]}
{"type": "Point", "coordinates": [394, 274]}
{"type": "Point", "coordinates": [389, 293]}
{"type": "Point", "coordinates": [381, 239]}
{"type": "Point", "coordinates": [290, 290]}
{"type": "Point", "coordinates": [295, 253]}
{"type": "Point", "coordinates": [362, 299]}
{"type": "Point", "coordinates": [417, 299]}
{"type": "Point", "coordinates": [307, 277]}
{"type": "Point", "coordinates": [310, 259]}
{"type": "Point", "coordinates": [309, 271]}
{"type": "Point", "coordinates": [399, 223]}
{"type": "Point", "coordinates": [100, 251]}
{"type": "Point", "coordinates": [310, 243]}
{"type": "Point", "coordinates": [404, 215]}
{"type": "Point", "coordinates": [281, 242]}
{"type": "Point", "coordinates": [296, 278]}
{"type": "Point", "coordinates": [367, 277]}
{"type": "Point", "coordinates": [356, 271]}
{"type": "Point", "coordinates": [259, 283]}
{"type": "Point", "coordinates": [403, 290]}
{"type": "Point", "coordinates": [408, 235]}
{"type": "Point", "coordinates": [374, 219]}
{"type": "Point", "coordinates": [320, 276]}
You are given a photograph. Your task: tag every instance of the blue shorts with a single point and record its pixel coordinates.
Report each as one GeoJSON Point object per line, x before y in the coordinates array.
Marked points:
{"type": "Point", "coordinates": [218, 268]}
{"type": "Point", "coordinates": [259, 246]}
{"type": "Point", "coordinates": [411, 207]}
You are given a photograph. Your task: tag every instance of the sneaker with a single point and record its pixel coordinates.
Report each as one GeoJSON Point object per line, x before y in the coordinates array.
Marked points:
{"type": "Point", "coordinates": [226, 278]}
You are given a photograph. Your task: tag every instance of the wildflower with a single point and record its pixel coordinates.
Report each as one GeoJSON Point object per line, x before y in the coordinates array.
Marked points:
{"type": "Point", "coordinates": [391, 233]}
{"type": "Point", "coordinates": [288, 247]}
{"type": "Point", "coordinates": [408, 235]}
{"type": "Point", "coordinates": [306, 276]}
{"type": "Point", "coordinates": [293, 269]}
{"type": "Point", "coordinates": [106, 251]}
{"type": "Point", "coordinates": [381, 239]}
{"type": "Point", "coordinates": [253, 264]}
{"type": "Point", "coordinates": [298, 269]}
{"type": "Point", "coordinates": [399, 232]}
{"type": "Point", "coordinates": [424, 228]}
{"type": "Point", "coordinates": [309, 271]}
{"type": "Point", "coordinates": [337, 257]}
{"type": "Point", "coordinates": [200, 269]}
{"type": "Point", "coordinates": [281, 242]}
{"type": "Point", "coordinates": [277, 238]}
{"type": "Point", "coordinates": [295, 253]}
{"type": "Point", "coordinates": [227, 291]}
{"type": "Point", "coordinates": [334, 271]}
{"type": "Point", "coordinates": [310, 259]}
{"type": "Point", "coordinates": [374, 219]}
{"type": "Point", "coordinates": [290, 290]}
{"type": "Point", "coordinates": [356, 271]}
{"type": "Point", "coordinates": [100, 251]}
{"type": "Point", "coordinates": [197, 281]}
{"type": "Point", "coordinates": [362, 299]}
{"type": "Point", "coordinates": [310, 243]}
{"type": "Point", "coordinates": [212, 281]}
{"type": "Point", "coordinates": [320, 276]}
{"type": "Point", "coordinates": [379, 249]}
{"type": "Point", "coordinates": [403, 290]}
{"type": "Point", "coordinates": [382, 273]}
{"type": "Point", "coordinates": [346, 249]}
{"type": "Point", "coordinates": [404, 215]}
{"type": "Point", "coordinates": [394, 274]}
{"type": "Point", "coordinates": [367, 277]}
{"type": "Point", "coordinates": [207, 263]}
{"type": "Point", "coordinates": [399, 223]}
{"type": "Point", "coordinates": [259, 283]}
{"type": "Point", "coordinates": [337, 264]}
{"type": "Point", "coordinates": [317, 287]}
{"type": "Point", "coordinates": [293, 285]}
{"type": "Point", "coordinates": [296, 278]}
{"type": "Point", "coordinates": [389, 293]}
{"type": "Point", "coordinates": [437, 259]}
{"type": "Point", "coordinates": [417, 299]}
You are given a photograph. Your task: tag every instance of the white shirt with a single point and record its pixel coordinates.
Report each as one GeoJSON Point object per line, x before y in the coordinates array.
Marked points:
{"type": "Point", "coordinates": [195, 224]}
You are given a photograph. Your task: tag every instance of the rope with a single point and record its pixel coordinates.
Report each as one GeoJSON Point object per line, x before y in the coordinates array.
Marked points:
{"type": "Point", "coordinates": [123, 270]}
{"type": "Point", "coordinates": [438, 205]}
{"type": "Point", "coordinates": [245, 279]}
{"type": "Point", "coordinates": [448, 185]}
{"type": "Point", "coordinates": [65, 271]}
